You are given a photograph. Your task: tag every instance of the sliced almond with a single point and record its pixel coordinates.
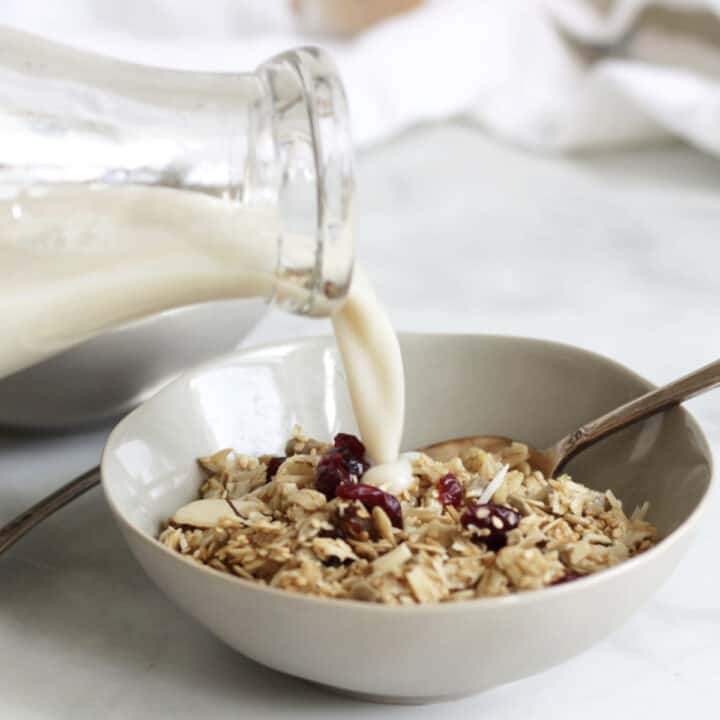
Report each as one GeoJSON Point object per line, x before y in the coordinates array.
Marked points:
{"type": "Point", "coordinates": [326, 548]}
{"type": "Point", "coordinates": [204, 513]}
{"type": "Point", "coordinates": [383, 525]}
{"type": "Point", "coordinates": [392, 561]}
{"type": "Point", "coordinates": [217, 462]}
{"type": "Point", "coordinates": [364, 549]}
{"type": "Point", "coordinates": [308, 499]}
{"type": "Point", "coordinates": [426, 586]}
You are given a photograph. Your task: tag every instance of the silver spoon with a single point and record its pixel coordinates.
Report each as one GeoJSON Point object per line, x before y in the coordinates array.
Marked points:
{"type": "Point", "coordinates": [549, 461]}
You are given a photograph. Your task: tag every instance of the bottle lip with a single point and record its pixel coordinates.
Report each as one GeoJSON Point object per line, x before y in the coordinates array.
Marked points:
{"type": "Point", "coordinates": [327, 159]}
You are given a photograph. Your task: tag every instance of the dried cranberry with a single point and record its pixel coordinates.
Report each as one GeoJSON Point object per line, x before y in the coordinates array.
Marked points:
{"type": "Point", "coordinates": [331, 472]}
{"type": "Point", "coordinates": [350, 445]}
{"type": "Point", "coordinates": [340, 463]}
{"type": "Point", "coordinates": [371, 496]}
{"type": "Point", "coordinates": [569, 576]}
{"type": "Point", "coordinates": [498, 519]}
{"type": "Point", "coordinates": [273, 465]}
{"type": "Point", "coordinates": [354, 453]}
{"type": "Point", "coordinates": [450, 490]}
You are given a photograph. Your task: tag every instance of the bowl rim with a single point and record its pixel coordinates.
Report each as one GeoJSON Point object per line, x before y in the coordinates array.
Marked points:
{"type": "Point", "coordinates": [489, 603]}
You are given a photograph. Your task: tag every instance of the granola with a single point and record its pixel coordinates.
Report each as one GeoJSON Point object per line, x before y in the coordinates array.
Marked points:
{"type": "Point", "coordinates": [483, 524]}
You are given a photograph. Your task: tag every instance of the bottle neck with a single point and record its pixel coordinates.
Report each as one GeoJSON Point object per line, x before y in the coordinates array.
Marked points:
{"type": "Point", "coordinates": [310, 174]}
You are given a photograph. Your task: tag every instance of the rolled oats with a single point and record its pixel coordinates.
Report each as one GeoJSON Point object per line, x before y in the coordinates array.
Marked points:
{"type": "Point", "coordinates": [274, 527]}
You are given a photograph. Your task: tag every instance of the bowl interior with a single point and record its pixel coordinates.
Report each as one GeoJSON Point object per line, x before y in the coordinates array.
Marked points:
{"type": "Point", "coordinates": [531, 390]}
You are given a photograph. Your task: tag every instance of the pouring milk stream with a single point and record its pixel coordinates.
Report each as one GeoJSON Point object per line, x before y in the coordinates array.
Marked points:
{"type": "Point", "coordinates": [128, 190]}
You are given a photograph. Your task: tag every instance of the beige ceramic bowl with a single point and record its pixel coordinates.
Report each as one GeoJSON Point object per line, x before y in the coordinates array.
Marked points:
{"type": "Point", "coordinates": [457, 384]}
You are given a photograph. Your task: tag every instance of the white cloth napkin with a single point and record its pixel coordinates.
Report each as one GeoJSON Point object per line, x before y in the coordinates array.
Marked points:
{"type": "Point", "coordinates": [546, 74]}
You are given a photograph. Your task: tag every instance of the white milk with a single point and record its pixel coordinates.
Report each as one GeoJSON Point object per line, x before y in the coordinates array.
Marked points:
{"type": "Point", "coordinates": [74, 262]}
{"type": "Point", "coordinates": [374, 371]}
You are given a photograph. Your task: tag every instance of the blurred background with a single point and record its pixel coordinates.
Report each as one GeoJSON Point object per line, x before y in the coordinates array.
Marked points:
{"type": "Point", "coordinates": [544, 74]}
{"type": "Point", "coordinates": [547, 168]}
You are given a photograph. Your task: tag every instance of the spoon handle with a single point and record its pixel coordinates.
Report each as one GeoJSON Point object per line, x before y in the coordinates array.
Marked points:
{"type": "Point", "coordinates": [26, 521]}
{"type": "Point", "coordinates": [653, 402]}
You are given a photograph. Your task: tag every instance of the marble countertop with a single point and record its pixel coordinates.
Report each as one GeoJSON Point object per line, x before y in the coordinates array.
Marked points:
{"type": "Point", "coordinates": [618, 254]}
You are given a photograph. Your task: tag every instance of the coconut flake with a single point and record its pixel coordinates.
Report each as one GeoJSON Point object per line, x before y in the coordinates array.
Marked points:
{"type": "Point", "coordinates": [494, 485]}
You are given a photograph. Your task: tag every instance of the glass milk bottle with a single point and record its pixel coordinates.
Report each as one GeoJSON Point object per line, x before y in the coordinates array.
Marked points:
{"type": "Point", "coordinates": [127, 190]}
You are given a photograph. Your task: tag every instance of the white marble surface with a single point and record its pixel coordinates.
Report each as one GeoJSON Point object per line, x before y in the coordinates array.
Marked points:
{"type": "Point", "coordinates": [618, 254]}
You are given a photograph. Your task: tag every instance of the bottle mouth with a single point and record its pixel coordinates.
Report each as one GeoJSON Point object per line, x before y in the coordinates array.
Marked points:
{"type": "Point", "coordinates": [314, 180]}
